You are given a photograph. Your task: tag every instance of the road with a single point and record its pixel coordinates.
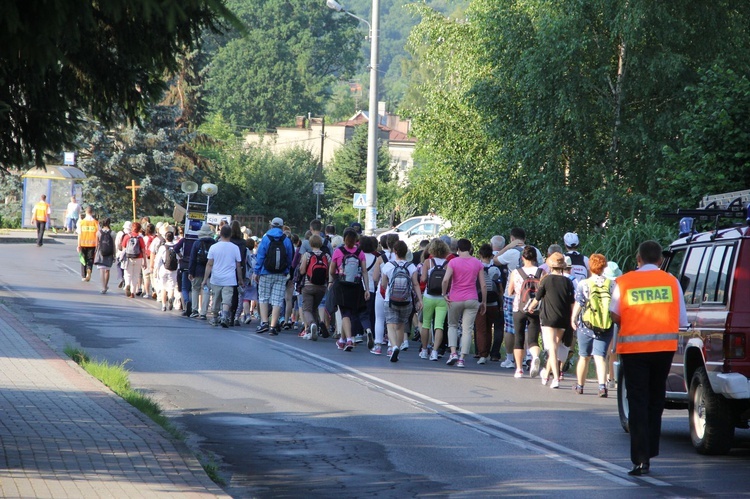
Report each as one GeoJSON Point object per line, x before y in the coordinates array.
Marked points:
{"type": "Point", "coordinates": [284, 417]}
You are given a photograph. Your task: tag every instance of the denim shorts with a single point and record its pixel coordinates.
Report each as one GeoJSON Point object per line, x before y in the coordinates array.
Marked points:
{"type": "Point", "coordinates": [589, 344]}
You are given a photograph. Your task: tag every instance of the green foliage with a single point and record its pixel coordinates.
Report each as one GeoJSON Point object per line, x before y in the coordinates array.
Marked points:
{"type": "Point", "coordinates": [157, 156]}
{"type": "Point", "coordinates": [347, 175]}
{"type": "Point", "coordinates": [11, 192]}
{"type": "Point", "coordinates": [62, 59]}
{"type": "Point", "coordinates": [285, 63]}
{"type": "Point", "coordinates": [255, 181]}
{"type": "Point", "coordinates": [711, 155]}
{"type": "Point", "coordinates": [619, 243]}
{"type": "Point", "coordinates": [553, 116]}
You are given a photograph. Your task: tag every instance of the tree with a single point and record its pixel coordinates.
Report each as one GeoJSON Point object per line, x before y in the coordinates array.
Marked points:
{"type": "Point", "coordinates": [711, 155]}
{"type": "Point", "coordinates": [285, 63]}
{"type": "Point", "coordinates": [347, 175]}
{"type": "Point", "coordinates": [157, 155]}
{"type": "Point", "coordinates": [63, 59]}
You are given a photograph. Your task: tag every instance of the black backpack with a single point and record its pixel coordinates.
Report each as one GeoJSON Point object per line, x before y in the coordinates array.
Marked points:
{"type": "Point", "coordinates": [170, 258]}
{"type": "Point", "coordinates": [106, 244]}
{"type": "Point", "coordinates": [275, 261]}
{"type": "Point", "coordinates": [435, 280]}
{"type": "Point", "coordinates": [201, 256]}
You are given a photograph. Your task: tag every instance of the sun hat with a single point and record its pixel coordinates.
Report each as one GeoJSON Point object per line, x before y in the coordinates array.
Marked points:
{"type": "Point", "coordinates": [277, 222]}
{"type": "Point", "coordinates": [612, 271]}
{"type": "Point", "coordinates": [205, 231]}
{"type": "Point", "coordinates": [556, 261]}
{"type": "Point", "coordinates": [571, 239]}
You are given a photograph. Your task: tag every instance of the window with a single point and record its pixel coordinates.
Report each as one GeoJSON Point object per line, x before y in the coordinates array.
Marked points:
{"type": "Point", "coordinates": [718, 274]}
{"type": "Point", "coordinates": [692, 267]}
{"type": "Point", "coordinates": [675, 263]}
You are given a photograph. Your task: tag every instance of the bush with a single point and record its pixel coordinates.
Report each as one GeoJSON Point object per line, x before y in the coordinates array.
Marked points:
{"type": "Point", "coordinates": [620, 243]}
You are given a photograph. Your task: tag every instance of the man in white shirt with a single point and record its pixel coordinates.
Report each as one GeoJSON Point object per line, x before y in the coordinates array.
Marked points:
{"type": "Point", "coordinates": [224, 272]}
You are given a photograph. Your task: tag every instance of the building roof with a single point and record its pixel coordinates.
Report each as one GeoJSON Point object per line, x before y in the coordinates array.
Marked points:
{"type": "Point", "coordinates": [362, 117]}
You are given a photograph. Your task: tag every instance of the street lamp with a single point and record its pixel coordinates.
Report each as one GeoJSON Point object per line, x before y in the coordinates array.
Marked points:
{"type": "Point", "coordinates": [372, 125]}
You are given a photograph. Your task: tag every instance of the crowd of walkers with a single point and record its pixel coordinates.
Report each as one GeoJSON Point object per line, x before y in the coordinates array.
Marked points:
{"type": "Point", "coordinates": [454, 300]}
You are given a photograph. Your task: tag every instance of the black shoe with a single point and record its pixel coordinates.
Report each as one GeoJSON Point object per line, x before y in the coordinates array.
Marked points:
{"type": "Point", "coordinates": [273, 331]}
{"type": "Point", "coordinates": [262, 328]}
{"type": "Point", "coordinates": [224, 323]}
{"type": "Point", "coordinates": [323, 330]}
{"type": "Point", "coordinates": [640, 469]}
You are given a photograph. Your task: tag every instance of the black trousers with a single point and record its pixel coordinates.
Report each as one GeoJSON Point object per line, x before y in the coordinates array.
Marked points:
{"type": "Point", "coordinates": [40, 226]}
{"type": "Point", "coordinates": [645, 381]}
{"type": "Point", "coordinates": [88, 256]}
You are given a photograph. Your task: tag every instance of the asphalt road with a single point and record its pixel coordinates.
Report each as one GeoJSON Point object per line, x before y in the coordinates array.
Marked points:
{"type": "Point", "coordinates": [284, 417]}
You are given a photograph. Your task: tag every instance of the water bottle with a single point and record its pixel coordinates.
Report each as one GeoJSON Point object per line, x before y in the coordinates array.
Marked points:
{"type": "Point", "coordinates": [205, 288]}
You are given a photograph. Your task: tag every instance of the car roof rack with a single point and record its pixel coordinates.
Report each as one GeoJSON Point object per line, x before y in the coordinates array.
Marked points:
{"type": "Point", "coordinates": [730, 205]}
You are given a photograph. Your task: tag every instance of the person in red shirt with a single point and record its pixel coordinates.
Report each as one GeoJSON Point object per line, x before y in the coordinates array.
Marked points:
{"type": "Point", "coordinates": [135, 257]}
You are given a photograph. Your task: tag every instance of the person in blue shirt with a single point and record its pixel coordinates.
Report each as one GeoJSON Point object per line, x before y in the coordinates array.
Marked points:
{"type": "Point", "coordinates": [272, 269]}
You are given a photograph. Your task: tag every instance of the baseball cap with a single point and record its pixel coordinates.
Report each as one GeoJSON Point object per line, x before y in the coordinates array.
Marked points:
{"type": "Point", "coordinates": [127, 225]}
{"type": "Point", "coordinates": [277, 222]}
{"type": "Point", "coordinates": [571, 239]}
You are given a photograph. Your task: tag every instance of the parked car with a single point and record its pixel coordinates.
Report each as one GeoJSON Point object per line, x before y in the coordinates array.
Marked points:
{"type": "Point", "coordinates": [415, 229]}
{"type": "Point", "coordinates": [710, 374]}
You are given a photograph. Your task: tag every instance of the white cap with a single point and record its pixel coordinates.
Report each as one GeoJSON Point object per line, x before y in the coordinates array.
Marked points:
{"type": "Point", "coordinates": [571, 239]}
{"type": "Point", "coordinates": [277, 222]}
{"type": "Point", "coordinates": [127, 226]}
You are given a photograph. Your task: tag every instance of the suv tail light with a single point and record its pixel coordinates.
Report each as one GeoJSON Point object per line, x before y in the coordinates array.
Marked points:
{"type": "Point", "coordinates": [735, 346]}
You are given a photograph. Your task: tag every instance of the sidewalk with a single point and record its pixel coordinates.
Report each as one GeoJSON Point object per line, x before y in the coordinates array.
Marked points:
{"type": "Point", "coordinates": [63, 434]}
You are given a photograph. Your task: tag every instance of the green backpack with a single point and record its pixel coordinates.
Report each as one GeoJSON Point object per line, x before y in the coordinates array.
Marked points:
{"type": "Point", "coordinates": [596, 314]}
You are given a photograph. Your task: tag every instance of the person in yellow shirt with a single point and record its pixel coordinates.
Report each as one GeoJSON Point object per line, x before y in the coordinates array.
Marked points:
{"type": "Point", "coordinates": [40, 215]}
{"type": "Point", "coordinates": [87, 230]}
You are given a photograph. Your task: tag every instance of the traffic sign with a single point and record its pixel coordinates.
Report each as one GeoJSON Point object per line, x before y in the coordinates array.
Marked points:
{"type": "Point", "coordinates": [318, 188]}
{"type": "Point", "coordinates": [360, 200]}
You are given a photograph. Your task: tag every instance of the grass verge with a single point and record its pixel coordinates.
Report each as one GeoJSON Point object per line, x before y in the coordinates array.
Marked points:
{"type": "Point", "coordinates": [115, 376]}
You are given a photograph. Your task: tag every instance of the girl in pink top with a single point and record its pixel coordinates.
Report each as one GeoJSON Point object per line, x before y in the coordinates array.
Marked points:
{"type": "Point", "coordinates": [460, 291]}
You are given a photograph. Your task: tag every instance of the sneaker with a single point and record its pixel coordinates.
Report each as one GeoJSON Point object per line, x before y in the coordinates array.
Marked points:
{"type": "Point", "coordinates": [545, 376]}
{"type": "Point", "coordinates": [535, 363]}
{"type": "Point", "coordinates": [225, 323]}
{"type": "Point", "coordinates": [434, 355]}
{"type": "Point", "coordinates": [508, 363]}
{"type": "Point", "coordinates": [370, 339]}
{"type": "Point", "coordinates": [262, 328]}
{"type": "Point", "coordinates": [482, 360]}
{"type": "Point", "coordinates": [554, 384]}
{"type": "Point", "coordinates": [214, 322]}
{"type": "Point", "coordinates": [349, 346]}
{"type": "Point", "coordinates": [423, 354]}
{"type": "Point", "coordinates": [304, 335]}
{"type": "Point", "coordinates": [359, 339]}
{"type": "Point", "coordinates": [121, 284]}
{"type": "Point", "coordinates": [494, 359]}
{"type": "Point", "coordinates": [603, 391]}
{"type": "Point", "coordinates": [460, 363]}
{"type": "Point", "coordinates": [247, 319]}
{"type": "Point", "coordinates": [340, 345]}
{"type": "Point", "coordinates": [404, 345]}
{"type": "Point", "coordinates": [237, 322]}
{"type": "Point", "coordinates": [323, 330]}
{"type": "Point", "coordinates": [288, 326]}
{"type": "Point", "coordinates": [578, 389]}
{"type": "Point", "coordinates": [394, 355]}
{"type": "Point", "coordinates": [519, 374]}
{"type": "Point", "coordinates": [389, 352]}
{"type": "Point", "coordinates": [273, 331]}
{"type": "Point", "coordinates": [170, 305]}
{"type": "Point", "coordinates": [452, 359]}
{"type": "Point", "coordinates": [163, 308]}
{"type": "Point", "coordinates": [313, 332]}
{"type": "Point", "coordinates": [376, 350]}
{"type": "Point", "coordinates": [127, 291]}
{"type": "Point", "coordinates": [88, 275]}
{"type": "Point", "coordinates": [611, 384]}
{"type": "Point", "coordinates": [194, 314]}
{"type": "Point", "coordinates": [202, 317]}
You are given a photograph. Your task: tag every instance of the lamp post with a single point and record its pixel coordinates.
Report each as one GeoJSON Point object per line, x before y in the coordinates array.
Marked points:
{"type": "Point", "coordinates": [372, 126]}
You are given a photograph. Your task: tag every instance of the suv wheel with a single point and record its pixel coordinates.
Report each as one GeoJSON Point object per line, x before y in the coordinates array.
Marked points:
{"type": "Point", "coordinates": [711, 423]}
{"type": "Point", "coordinates": [622, 400]}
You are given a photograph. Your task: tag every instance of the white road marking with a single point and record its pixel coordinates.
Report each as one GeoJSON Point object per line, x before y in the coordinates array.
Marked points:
{"type": "Point", "coordinates": [510, 434]}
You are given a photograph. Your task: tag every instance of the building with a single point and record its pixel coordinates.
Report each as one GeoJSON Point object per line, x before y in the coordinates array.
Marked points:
{"type": "Point", "coordinates": [314, 135]}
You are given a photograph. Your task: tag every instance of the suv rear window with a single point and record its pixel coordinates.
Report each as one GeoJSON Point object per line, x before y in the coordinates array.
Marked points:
{"type": "Point", "coordinates": [707, 274]}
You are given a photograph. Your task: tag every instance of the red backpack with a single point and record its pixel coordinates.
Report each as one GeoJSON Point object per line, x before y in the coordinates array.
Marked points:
{"type": "Point", "coordinates": [317, 269]}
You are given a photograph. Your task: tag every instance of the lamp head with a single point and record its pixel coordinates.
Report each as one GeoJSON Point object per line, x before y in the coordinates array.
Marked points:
{"type": "Point", "coordinates": [333, 4]}
{"type": "Point", "coordinates": [209, 189]}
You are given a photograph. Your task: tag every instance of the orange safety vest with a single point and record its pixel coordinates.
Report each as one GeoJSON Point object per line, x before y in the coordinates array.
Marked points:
{"type": "Point", "coordinates": [87, 235]}
{"type": "Point", "coordinates": [649, 312]}
{"type": "Point", "coordinates": [40, 211]}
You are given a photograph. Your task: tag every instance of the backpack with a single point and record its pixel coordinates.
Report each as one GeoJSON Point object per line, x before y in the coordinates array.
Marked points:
{"type": "Point", "coordinates": [133, 248]}
{"type": "Point", "coordinates": [578, 269]}
{"type": "Point", "coordinates": [528, 289]}
{"type": "Point", "coordinates": [249, 263]}
{"type": "Point", "coordinates": [275, 261]}
{"type": "Point", "coordinates": [435, 280]}
{"type": "Point", "coordinates": [326, 247]}
{"type": "Point", "coordinates": [170, 257]}
{"type": "Point", "coordinates": [399, 285]}
{"type": "Point", "coordinates": [106, 244]}
{"type": "Point", "coordinates": [596, 314]}
{"type": "Point", "coordinates": [317, 269]}
{"type": "Point", "coordinates": [350, 270]}
{"type": "Point", "coordinates": [492, 285]}
{"type": "Point", "coordinates": [201, 256]}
